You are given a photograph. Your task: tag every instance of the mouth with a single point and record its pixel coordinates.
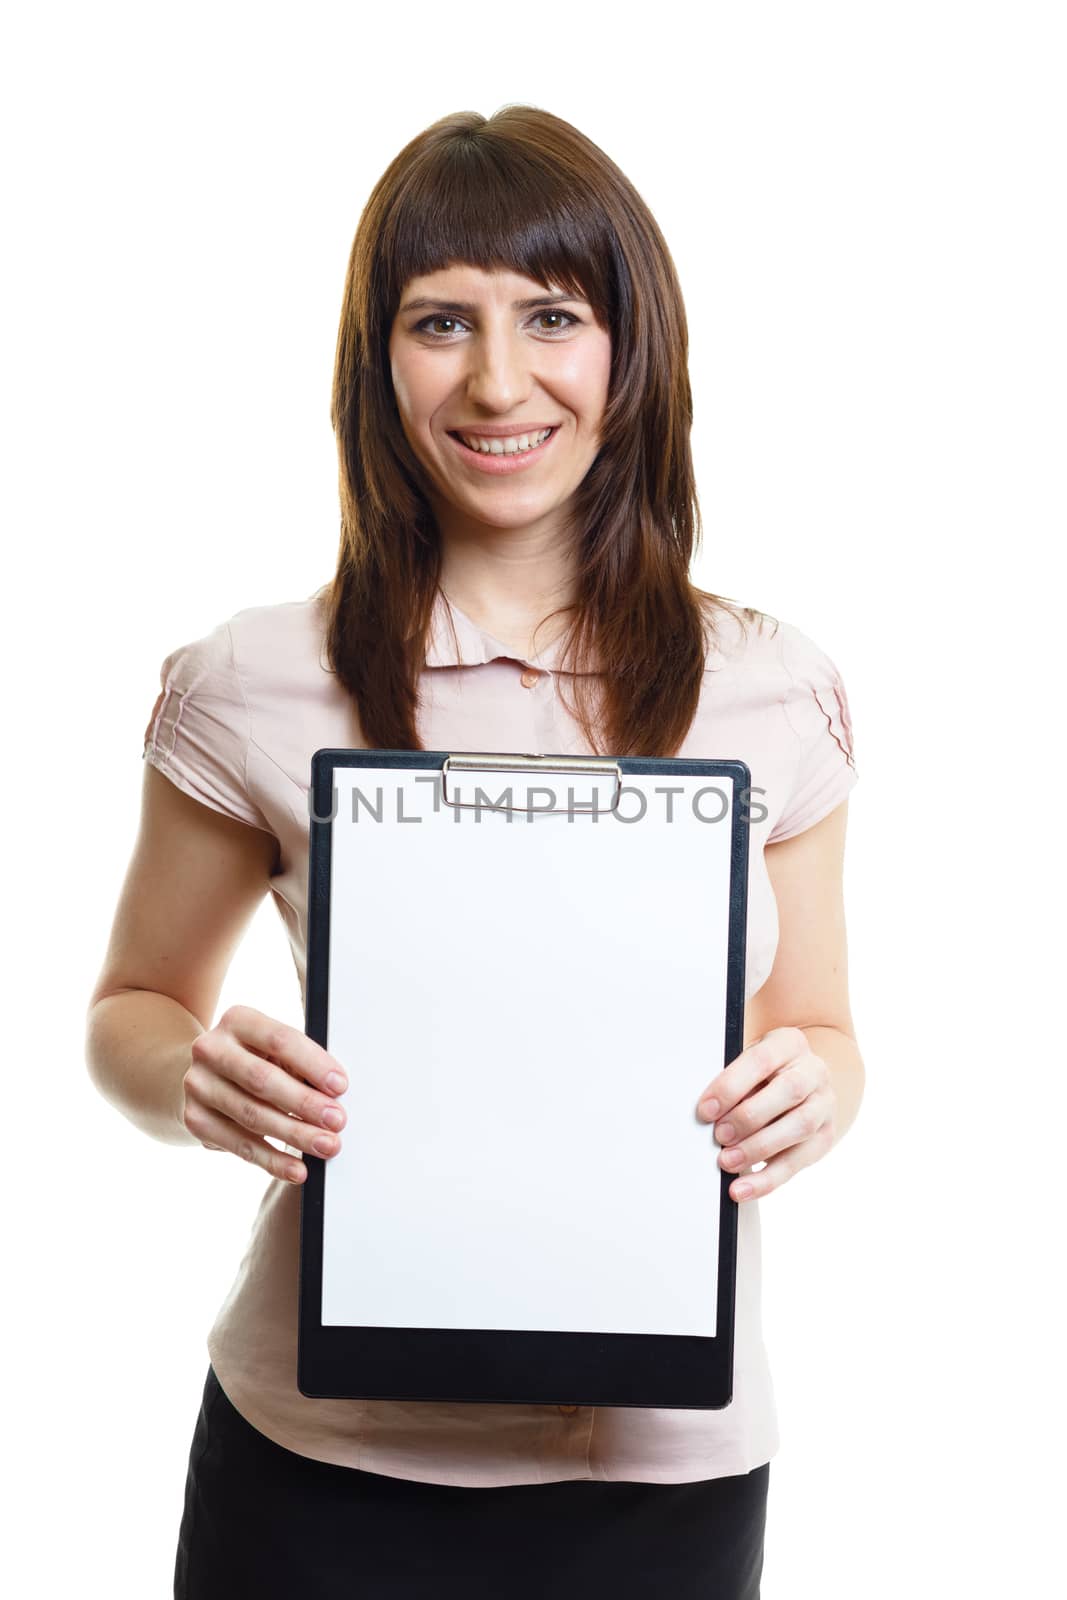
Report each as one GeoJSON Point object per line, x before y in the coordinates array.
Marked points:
{"type": "Point", "coordinates": [503, 461]}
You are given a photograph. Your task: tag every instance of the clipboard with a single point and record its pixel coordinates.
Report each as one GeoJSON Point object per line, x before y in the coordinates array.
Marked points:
{"type": "Point", "coordinates": [530, 967]}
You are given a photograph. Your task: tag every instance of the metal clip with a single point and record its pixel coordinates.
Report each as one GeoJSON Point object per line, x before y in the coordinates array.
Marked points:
{"type": "Point", "coordinates": [531, 765]}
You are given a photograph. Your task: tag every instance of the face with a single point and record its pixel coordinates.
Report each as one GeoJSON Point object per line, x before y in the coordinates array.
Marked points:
{"type": "Point", "coordinates": [498, 368]}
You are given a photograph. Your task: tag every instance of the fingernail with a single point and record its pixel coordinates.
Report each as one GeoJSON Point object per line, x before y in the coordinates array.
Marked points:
{"type": "Point", "coordinates": [709, 1109]}
{"type": "Point", "coordinates": [336, 1082]}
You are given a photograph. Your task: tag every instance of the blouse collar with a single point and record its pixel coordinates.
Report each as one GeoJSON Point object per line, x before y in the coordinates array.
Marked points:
{"type": "Point", "coordinates": [476, 645]}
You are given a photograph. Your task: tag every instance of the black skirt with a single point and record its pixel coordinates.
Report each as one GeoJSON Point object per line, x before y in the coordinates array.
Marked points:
{"type": "Point", "coordinates": [263, 1521]}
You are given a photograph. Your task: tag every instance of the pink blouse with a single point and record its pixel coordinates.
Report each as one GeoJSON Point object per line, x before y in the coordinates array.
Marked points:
{"type": "Point", "coordinates": [239, 715]}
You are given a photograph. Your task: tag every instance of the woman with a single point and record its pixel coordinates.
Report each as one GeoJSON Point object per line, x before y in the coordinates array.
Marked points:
{"type": "Point", "coordinates": [512, 412]}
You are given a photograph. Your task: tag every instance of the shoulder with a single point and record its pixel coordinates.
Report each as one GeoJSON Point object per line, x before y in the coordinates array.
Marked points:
{"type": "Point", "coordinates": [264, 658]}
{"type": "Point", "coordinates": [282, 635]}
{"type": "Point", "coordinates": [774, 697]}
{"type": "Point", "coordinates": [758, 643]}
{"type": "Point", "coordinates": [244, 672]}
{"type": "Point", "coordinates": [764, 662]}
{"type": "Point", "coordinates": [277, 641]}
{"type": "Point", "coordinates": [741, 639]}
{"type": "Point", "coordinates": [804, 660]}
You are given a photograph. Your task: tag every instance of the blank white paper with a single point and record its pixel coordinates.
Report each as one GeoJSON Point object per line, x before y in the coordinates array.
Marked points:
{"type": "Point", "coordinates": [528, 1012]}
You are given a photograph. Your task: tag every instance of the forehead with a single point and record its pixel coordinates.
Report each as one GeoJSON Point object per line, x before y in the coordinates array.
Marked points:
{"type": "Point", "coordinates": [476, 283]}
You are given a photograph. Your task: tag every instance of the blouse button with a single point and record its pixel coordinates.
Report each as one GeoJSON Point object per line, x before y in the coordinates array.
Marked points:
{"type": "Point", "coordinates": [568, 1411]}
{"type": "Point", "coordinates": [529, 678]}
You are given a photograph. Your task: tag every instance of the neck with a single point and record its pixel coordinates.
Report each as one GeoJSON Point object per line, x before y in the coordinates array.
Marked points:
{"type": "Point", "coordinates": [509, 583]}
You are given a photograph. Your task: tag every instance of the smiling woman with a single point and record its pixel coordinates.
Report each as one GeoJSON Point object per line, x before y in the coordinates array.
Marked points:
{"type": "Point", "coordinates": [507, 279]}
{"type": "Point", "coordinates": [512, 411]}
{"type": "Point", "coordinates": [551, 386]}
{"type": "Point", "coordinates": [501, 346]}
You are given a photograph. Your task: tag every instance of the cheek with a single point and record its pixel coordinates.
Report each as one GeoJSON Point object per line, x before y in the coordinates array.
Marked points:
{"type": "Point", "coordinates": [421, 389]}
{"type": "Point", "coordinates": [584, 380]}
{"type": "Point", "coordinates": [410, 382]}
{"type": "Point", "coordinates": [401, 390]}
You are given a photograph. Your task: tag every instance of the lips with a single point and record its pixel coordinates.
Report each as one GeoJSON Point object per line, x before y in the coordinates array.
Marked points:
{"type": "Point", "coordinates": [500, 463]}
{"type": "Point", "coordinates": [492, 430]}
{"type": "Point", "coordinates": [474, 433]}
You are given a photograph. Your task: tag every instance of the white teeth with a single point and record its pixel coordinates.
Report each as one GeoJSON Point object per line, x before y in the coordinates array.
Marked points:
{"type": "Point", "coordinates": [506, 447]}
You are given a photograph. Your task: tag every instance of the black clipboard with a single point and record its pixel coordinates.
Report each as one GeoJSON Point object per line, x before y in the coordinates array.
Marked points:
{"type": "Point", "coordinates": [398, 832]}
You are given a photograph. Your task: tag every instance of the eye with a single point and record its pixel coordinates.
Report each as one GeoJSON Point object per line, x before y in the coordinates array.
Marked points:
{"type": "Point", "coordinates": [566, 314]}
{"type": "Point", "coordinates": [425, 325]}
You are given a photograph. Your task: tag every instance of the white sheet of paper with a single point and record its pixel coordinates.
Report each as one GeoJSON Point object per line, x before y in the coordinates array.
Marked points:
{"type": "Point", "coordinates": [528, 1011]}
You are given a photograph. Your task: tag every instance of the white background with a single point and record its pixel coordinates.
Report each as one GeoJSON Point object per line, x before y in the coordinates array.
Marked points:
{"type": "Point", "coordinates": [865, 204]}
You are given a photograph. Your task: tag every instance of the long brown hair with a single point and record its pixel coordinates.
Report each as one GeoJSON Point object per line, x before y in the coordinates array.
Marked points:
{"type": "Point", "coordinates": [524, 190]}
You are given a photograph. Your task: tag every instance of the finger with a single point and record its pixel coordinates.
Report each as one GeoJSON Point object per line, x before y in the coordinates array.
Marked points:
{"type": "Point", "coordinates": [786, 1141]}
{"type": "Point", "coordinates": [741, 1188]}
{"type": "Point", "coordinates": [752, 1185]}
{"type": "Point", "coordinates": [226, 1135]}
{"type": "Point", "coordinates": [288, 1046]}
{"type": "Point", "coordinates": [792, 1086]}
{"type": "Point", "coordinates": [223, 1053]}
{"type": "Point", "coordinates": [750, 1069]}
{"type": "Point", "coordinates": [256, 1116]}
{"type": "Point", "coordinates": [795, 1127]}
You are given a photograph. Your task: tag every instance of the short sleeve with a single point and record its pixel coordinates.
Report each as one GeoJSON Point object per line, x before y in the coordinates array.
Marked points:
{"type": "Point", "coordinates": [817, 713]}
{"type": "Point", "coordinates": [197, 734]}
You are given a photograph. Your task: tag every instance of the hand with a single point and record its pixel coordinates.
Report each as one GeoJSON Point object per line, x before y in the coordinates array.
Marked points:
{"type": "Point", "coordinates": [778, 1073]}
{"type": "Point", "coordinates": [246, 1080]}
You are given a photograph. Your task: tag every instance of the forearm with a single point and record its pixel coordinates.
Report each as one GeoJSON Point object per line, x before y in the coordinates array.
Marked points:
{"type": "Point", "coordinates": [137, 1051]}
{"type": "Point", "coordinates": [842, 1055]}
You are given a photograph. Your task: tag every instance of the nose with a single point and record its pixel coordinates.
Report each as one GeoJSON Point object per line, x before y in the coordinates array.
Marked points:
{"type": "Point", "coordinates": [498, 376]}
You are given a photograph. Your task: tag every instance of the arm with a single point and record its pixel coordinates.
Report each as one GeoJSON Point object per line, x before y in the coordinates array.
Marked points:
{"type": "Point", "coordinates": [808, 985]}
{"type": "Point", "coordinates": [796, 1087]}
{"type": "Point", "coordinates": [194, 880]}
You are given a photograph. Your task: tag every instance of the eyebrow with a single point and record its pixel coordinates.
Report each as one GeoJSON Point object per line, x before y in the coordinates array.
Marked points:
{"type": "Point", "coordinates": [464, 307]}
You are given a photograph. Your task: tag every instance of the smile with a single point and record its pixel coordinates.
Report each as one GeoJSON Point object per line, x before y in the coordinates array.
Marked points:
{"type": "Point", "coordinates": [503, 460]}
